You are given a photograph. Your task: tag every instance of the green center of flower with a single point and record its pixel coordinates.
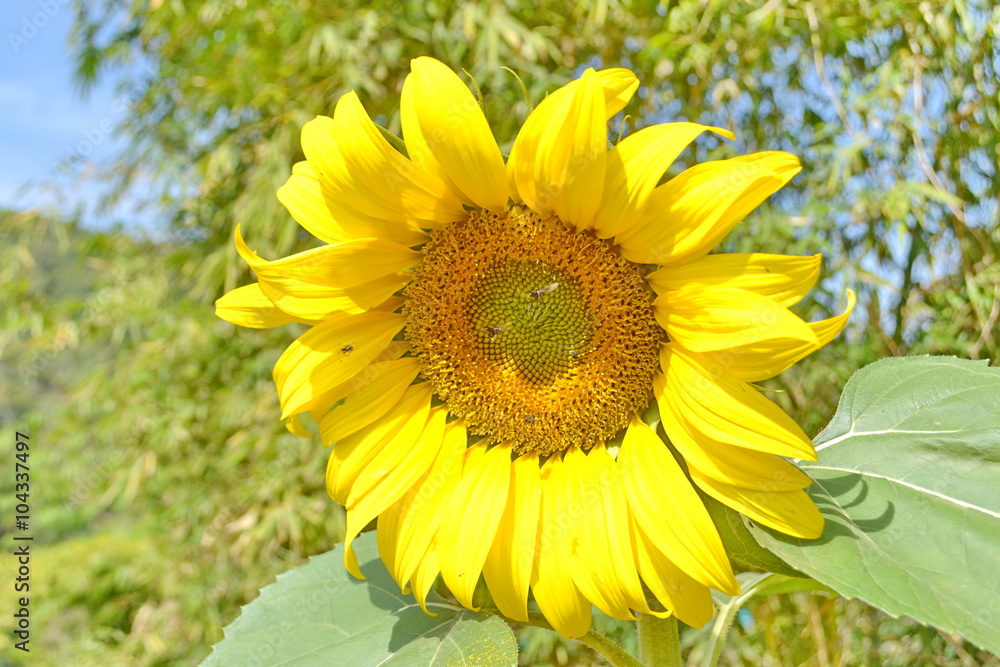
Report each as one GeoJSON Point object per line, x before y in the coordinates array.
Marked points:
{"type": "Point", "coordinates": [534, 334]}
{"type": "Point", "coordinates": [532, 318]}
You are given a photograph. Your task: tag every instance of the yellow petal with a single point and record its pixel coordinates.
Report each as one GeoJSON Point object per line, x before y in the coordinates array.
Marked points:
{"type": "Point", "coordinates": [689, 600]}
{"type": "Point", "coordinates": [296, 427]}
{"type": "Point", "coordinates": [394, 468]}
{"type": "Point", "coordinates": [302, 195]}
{"type": "Point", "coordinates": [785, 165]}
{"type": "Point", "coordinates": [702, 403]}
{"type": "Point", "coordinates": [668, 510]}
{"type": "Point", "coordinates": [634, 168]}
{"type": "Point", "coordinates": [399, 428]}
{"type": "Point", "coordinates": [248, 307]}
{"type": "Point", "coordinates": [604, 565]}
{"type": "Point", "coordinates": [620, 566]}
{"type": "Point", "coordinates": [560, 601]}
{"type": "Point", "coordinates": [470, 521]}
{"type": "Point", "coordinates": [737, 466]}
{"type": "Point", "coordinates": [512, 556]}
{"type": "Point", "coordinates": [424, 575]}
{"type": "Point", "coordinates": [305, 193]}
{"type": "Point", "coordinates": [570, 162]}
{"type": "Point", "coordinates": [387, 538]}
{"type": "Point", "coordinates": [342, 265]}
{"type": "Point", "coordinates": [719, 318]}
{"type": "Point", "coordinates": [422, 508]}
{"type": "Point", "coordinates": [447, 134]}
{"type": "Point", "coordinates": [617, 85]}
{"type": "Point", "coordinates": [323, 403]}
{"type": "Point", "coordinates": [734, 465]}
{"type": "Point", "coordinates": [763, 360]}
{"type": "Point", "coordinates": [373, 399]}
{"type": "Point", "coordinates": [331, 353]}
{"type": "Point", "coordinates": [373, 161]}
{"type": "Point", "coordinates": [783, 279]}
{"type": "Point", "coordinates": [587, 540]}
{"type": "Point", "coordinates": [356, 162]}
{"type": "Point", "coordinates": [391, 472]}
{"type": "Point", "coordinates": [315, 302]}
{"type": "Point", "coordinates": [690, 214]}
{"type": "Point", "coordinates": [791, 512]}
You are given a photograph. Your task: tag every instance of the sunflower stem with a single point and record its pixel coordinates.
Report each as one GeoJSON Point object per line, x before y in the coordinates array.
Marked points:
{"type": "Point", "coordinates": [659, 641]}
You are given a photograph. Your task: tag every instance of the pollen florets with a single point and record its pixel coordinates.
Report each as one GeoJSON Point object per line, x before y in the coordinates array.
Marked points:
{"type": "Point", "coordinates": [536, 334]}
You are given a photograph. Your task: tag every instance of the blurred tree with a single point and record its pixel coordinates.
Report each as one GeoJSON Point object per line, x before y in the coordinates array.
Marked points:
{"type": "Point", "coordinates": [164, 489]}
{"type": "Point", "coordinates": [218, 121]}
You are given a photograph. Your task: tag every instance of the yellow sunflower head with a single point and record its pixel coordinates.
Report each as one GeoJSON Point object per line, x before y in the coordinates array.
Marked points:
{"type": "Point", "coordinates": [486, 337]}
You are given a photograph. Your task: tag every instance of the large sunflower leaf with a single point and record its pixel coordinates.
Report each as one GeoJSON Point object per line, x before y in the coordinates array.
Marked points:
{"type": "Point", "coordinates": [908, 479]}
{"type": "Point", "coordinates": [318, 614]}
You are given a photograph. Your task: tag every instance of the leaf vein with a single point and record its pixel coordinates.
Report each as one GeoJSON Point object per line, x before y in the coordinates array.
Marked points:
{"type": "Point", "coordinates": [921, 489]}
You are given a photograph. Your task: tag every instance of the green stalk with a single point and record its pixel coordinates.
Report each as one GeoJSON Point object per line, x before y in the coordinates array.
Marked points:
{"type": "Point", "coordinates": [659, 641]}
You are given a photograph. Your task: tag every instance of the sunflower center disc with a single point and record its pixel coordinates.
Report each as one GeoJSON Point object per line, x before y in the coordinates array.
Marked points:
{"type": "Point", "coordinates": [536, 335]}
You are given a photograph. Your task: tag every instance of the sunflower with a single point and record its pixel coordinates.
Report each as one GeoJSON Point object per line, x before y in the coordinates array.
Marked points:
{"type": "Point", "coordinates": [503, 352]}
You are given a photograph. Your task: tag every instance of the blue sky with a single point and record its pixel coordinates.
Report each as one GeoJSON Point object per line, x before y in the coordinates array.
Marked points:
{"type": "Point", "coordinates": [45, 118]}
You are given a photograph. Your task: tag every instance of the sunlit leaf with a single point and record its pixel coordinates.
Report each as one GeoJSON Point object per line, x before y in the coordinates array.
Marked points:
{"type": "Point", "coordinates": [318, 614]}
{"type": "Point", "coordinates": [908, 479]}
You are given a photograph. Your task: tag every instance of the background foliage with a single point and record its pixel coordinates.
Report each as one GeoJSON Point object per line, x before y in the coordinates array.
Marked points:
{"type": "Point", "coordinates": [172, 493]}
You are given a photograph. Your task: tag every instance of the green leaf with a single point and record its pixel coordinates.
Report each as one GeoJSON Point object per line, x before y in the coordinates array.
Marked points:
{"type": "Point", "coordinates": [908, 479]}
{"type": "Point", "coordinates": [739, 542]}
{"type": "Point", "coordinates": [318, 614]}
{"type": "Point", "coordinates": [393, 140]}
